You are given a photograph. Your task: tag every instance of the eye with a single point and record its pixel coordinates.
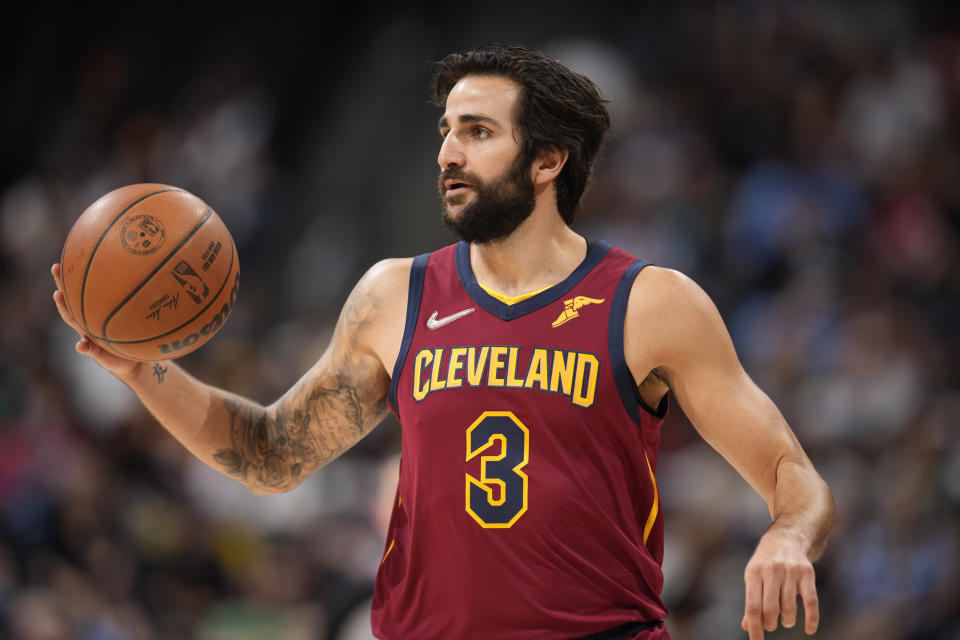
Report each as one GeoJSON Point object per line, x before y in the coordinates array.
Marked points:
{"type": "Point", "coordinates": [479, 133]}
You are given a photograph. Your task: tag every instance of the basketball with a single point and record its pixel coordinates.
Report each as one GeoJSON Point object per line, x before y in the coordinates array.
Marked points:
{"type": "Point", "coordinates": [150, 272]}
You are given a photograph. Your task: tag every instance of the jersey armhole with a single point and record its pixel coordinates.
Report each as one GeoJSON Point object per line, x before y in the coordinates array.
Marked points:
{"type": "Point", "coordinates": [627, 388]}
{"type": "Point", "coordinates": [415, 293]}
{"type": "Point", "coordinates": [662, 406]}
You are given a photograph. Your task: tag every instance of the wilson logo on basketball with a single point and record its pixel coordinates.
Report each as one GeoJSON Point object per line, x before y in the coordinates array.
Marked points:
{"type": "Point", "coordinates": [207, 329]}
{"type": "Point", "coordinates": [191, 281]}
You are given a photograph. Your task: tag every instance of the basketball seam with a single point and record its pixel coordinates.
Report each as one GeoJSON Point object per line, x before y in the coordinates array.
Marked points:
{"type": "Point", "coordinates": [173, 252]}
{"type": "Point", "coordinates": [197, 315]}
{"type": "Point", "coordinates": [83, 284]}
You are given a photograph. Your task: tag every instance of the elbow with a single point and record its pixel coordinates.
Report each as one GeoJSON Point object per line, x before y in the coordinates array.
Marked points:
{"type": "Point", "coordinates": [259, 490]}
{"type": "Point", "coordinates": [828, 518]}
{"type": "Point", "coordinates": [270, 488]}
{"type": "Point", "coordinates": [268, 464]}
{"type": "Point", "coordinates": [827, 501]}
{"type": "Point", "coordinates": [276, 475]}
{"type": "Point", "coordinates": [831, 503]}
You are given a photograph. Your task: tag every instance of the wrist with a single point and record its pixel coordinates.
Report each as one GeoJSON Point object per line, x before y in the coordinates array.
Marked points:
{"type": "Point", "coordinates": [784, 530]}
{"type": "Point", "coordinates": [132, 376]}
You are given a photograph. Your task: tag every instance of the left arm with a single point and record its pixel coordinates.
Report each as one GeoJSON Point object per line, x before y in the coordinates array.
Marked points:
{"type": "Point", "coordinates": [685, 341]}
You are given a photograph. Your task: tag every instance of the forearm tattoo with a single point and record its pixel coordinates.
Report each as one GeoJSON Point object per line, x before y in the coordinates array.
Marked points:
{"type": "Point", "coordinates": [318, 420]}
{"type": "Point", "coordinates": [276, 452]}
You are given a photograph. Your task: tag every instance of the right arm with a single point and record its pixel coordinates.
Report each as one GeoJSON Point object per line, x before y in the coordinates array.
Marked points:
{"type": "Point", "coordinates": [273, 448]}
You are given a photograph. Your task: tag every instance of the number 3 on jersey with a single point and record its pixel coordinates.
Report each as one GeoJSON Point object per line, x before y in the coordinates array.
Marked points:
{"type": "Point", "coordinates": [498, 498]}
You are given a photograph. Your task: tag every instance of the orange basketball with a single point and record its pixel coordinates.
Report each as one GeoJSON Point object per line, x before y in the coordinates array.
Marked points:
{"type": "Point", "coordinates": [150, 272]}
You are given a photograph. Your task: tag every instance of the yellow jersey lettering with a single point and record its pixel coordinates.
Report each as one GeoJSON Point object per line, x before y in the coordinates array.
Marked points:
{"type": "Point", "coordinates": [569, 373]}
{"type": "Point", "coordinates": [456, 363]}
{"type": "Point", "coordinates": [435, 382]}
{"type": "Point", "coordinates": [475, 365]}
{"type": "Point", "coordinates": [498, 498]}
{"type": "Point", "coordinates": [496, 365]}
{"type": "Point", "coordinates": [587, 366]}
{"type": "Point", "coordinates": [537, 373]}
{"type": "Point", "coordinates": [423, 359]}
{"type": "Point", "coordinates": [512, 381]}
{"type": "Point", "coordinates": [562, 374]}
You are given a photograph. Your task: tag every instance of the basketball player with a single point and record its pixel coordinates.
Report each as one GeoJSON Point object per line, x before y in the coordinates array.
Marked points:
{"type": "Point", "coordinates": [530, 370]}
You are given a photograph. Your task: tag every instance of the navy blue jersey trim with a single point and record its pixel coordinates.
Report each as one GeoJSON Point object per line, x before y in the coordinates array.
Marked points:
{"type": "Point", "coordinates": [595, 253]}
{"type": "Point", "coordinates": [662, 406]}
{"type": "Point", "coordinates": [415, 293]}
{"type": "Point", "coordinates": [626, 386]}
{"type": "Point", "coordinates": [623, 631]}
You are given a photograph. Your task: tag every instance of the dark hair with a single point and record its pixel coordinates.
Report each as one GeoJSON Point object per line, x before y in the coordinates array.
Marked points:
{"type": "Point", "coordinates": [557, 108]}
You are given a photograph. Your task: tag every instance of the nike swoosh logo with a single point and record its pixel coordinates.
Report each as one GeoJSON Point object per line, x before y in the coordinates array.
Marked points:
{"type": "Point", "coordinates": [433, 322]}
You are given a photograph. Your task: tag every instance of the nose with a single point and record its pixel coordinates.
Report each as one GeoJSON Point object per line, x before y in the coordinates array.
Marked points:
{"type": "Point", "coordinates": [451, 155]}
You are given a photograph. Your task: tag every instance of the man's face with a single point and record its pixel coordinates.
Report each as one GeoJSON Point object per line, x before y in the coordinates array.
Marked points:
{"type": "Point", "coordinates": [485, 185]}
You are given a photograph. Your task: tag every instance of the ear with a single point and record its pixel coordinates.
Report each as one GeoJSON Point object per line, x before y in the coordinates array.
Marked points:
{"type": "Point", "coordinates": [548, 165]}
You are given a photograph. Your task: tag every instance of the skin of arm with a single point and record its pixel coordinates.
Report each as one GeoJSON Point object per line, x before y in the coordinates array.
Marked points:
{"type": "Point", "coordinates": [679, 342]}
{"type": "Point", "coordinates": [271, 449]}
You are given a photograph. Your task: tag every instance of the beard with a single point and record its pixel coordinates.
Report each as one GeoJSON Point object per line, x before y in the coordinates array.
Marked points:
{"type": "Point", "coordinates": [499, 206]}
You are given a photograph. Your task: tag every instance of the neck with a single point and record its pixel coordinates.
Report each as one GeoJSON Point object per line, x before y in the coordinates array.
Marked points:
{"type": "Point", "coordinates": [541, 252]}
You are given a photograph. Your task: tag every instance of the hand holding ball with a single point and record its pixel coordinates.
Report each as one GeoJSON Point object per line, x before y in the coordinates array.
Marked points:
{"type": "Point", "coordinates": [150, 272]}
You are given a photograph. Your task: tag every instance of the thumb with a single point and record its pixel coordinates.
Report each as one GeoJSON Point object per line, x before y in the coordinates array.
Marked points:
{"type": "Point", "coordinates": [117, 365]}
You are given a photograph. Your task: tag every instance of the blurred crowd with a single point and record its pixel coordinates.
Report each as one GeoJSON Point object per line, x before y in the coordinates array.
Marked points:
{"type": "Point", "coordinates": [799, 159]}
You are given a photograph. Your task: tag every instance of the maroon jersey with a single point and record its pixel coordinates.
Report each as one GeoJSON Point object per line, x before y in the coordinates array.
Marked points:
{"type": "Point", "coordinates": [527, 505]}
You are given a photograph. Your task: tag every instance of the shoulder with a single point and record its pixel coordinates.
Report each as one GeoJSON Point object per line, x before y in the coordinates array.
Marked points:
{"type": "Point", "coordinates": [381, 292]}
{"type": "Point", "coordinates": [659, 289]}
{"type": "Point", "coordinates": [374, 314]}
{"type": "Point", "coordinates": [383, 286]}
{"type": "Point", "coordinates": [672, 312]}
{"type": "Point", "coordinates": [389, 276]}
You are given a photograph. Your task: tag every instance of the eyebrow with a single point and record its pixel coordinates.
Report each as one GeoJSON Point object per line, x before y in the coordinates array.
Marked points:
{"type": "Point", "coordinates": [468, 117]}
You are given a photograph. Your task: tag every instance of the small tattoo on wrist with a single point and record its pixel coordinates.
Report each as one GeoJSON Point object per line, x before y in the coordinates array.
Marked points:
{"type": "Point", "coordinates": [159, 372]}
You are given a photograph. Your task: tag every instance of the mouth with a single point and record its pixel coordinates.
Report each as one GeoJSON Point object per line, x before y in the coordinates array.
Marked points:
{"type": "Point", "coordinates": [455, 187]}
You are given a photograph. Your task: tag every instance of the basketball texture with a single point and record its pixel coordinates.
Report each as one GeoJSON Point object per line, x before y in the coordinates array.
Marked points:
{"type": "Point", "coordinates": [150, 272]}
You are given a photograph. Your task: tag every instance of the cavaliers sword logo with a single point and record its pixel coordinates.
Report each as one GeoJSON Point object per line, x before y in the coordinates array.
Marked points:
{"type": "Point", "coordinates": [572, 306]}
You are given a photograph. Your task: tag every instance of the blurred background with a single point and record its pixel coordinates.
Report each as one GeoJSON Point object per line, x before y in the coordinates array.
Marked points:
{"type": "Point", "coordinates": [799, 159]}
